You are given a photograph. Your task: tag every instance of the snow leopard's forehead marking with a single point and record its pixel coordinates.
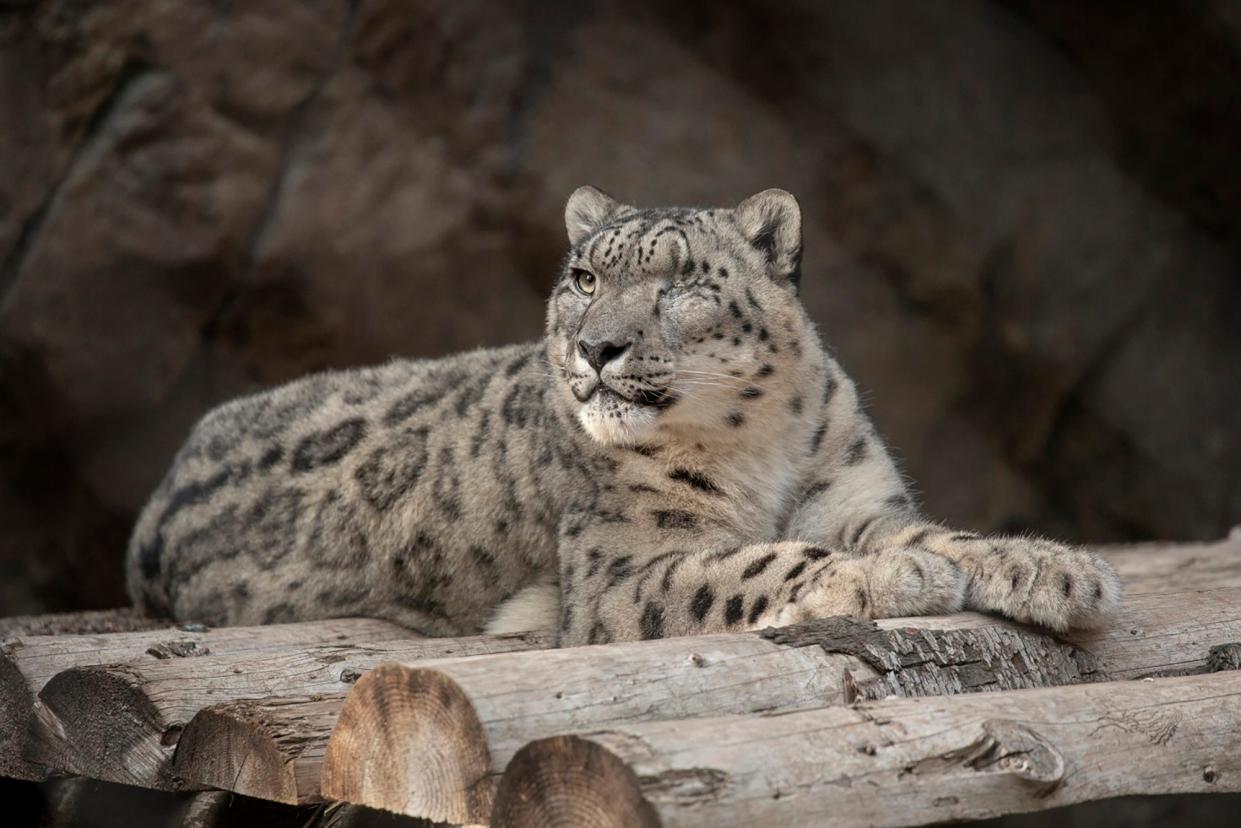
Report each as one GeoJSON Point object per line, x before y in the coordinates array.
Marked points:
{"type": "Point", "coordinates": [645, 243]}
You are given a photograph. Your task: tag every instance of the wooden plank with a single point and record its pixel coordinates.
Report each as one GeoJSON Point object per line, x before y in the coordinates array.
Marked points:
{"type": "Point", "coordinates": [428, 739]}
{"type": "Point", "coordinates": [894, 762]}
{"type": "Point", "coordinates": [121, 723]}
{"type": "Point", "coordinates": [27, 662]}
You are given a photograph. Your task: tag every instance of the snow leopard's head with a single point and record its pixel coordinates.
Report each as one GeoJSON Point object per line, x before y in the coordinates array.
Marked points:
{"type": "Point", "coordinates": [677, 321]}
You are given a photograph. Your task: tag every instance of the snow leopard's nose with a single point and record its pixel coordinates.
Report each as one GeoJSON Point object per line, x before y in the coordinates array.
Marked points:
{"type": "Point", "coordinates": [599, 354]}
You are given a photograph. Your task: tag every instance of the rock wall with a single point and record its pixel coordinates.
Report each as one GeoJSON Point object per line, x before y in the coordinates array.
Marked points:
{"type": "Point", "coordinates": [1022, 226]}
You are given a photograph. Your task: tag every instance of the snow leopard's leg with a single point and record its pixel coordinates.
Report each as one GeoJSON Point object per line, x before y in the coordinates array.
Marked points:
{"type": "Point", "coordinates": [857, 501]}
{"type": "Point", "coordinates": [670, 574]}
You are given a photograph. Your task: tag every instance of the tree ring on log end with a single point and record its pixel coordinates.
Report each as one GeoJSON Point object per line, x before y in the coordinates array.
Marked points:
{"type": "Point", "coordinates": [98, 722]}
{"type": "Point", "coordinates": [568, 781]}
{"type": "Point", "coordinates": [230, 748]}
{"type": "Point", "coordinates": [409, 740]}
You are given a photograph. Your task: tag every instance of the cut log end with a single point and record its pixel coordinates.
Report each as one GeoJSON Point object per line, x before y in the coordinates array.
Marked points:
{"type": "Point", "coordinates": [16, 713]}
{"type": "Point", "coordinates": [230, 748]}
{"type": "Point", "coordinates": [409, 740]}
{"type": "Point", "coordinates": [570, 781]}
{"type": "Point", "coordinates": [96, 722]}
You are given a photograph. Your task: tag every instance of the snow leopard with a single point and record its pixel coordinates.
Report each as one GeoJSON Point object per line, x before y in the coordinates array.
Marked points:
{"type": "Point", "coordinates": [680, 454]}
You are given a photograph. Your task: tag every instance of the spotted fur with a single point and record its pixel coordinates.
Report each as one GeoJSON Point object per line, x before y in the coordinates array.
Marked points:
{"type": "Point", "coordinates": [678, 455]}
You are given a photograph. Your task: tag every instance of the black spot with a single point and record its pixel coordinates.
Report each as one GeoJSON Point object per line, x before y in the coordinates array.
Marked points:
{"type": "Point", "coordinates": [446, 487]}
{"type": "Point", "coordinates": [797, 569]}
{"type": "Point", "coordinates": [271, 457]}
{"type": "Point", "coordinates": [699, 481]}
{"type": "Point", "coordinates": [481, 433]}
{"type": "Point", "coordinates": [279, 614]}
{"type": "Point", "coordinates": [1098, 592]}
{"type": "Point", "coordinates": [862, 600]}
{"type": "Point", "coordinates": [763, 336]}
{"type": "Point", "coordinates": [482, 557]}
{"type": "Point", "coordinates": [815, 489]}
{"type": "Point", "coordinates": [816, 553]}
{"type": "Point", "coordinates": [861, 530]}
{"type": "Point", "coordinates": [701, 605]}
{"type": "Point", "coordinates": [675, 519]}
{"type": "Point", "coordinates": [599, 634]}
{"type": "Point", "coordinates": [652, 624]}
{"type": "Point", "coordinates": [751, 393]}
{"type": "Point", "coordinates": [857, 452]}
{"type": "Point", "coordinates": [723, 272]}
{"type": "Point", "coordinates": [1066, 585]}
{"type": "Point", "coordinates": [639, 488]}
{"type": "Point", "coordinates": [796, 404]}
{"type": "Point", "coordinates": [735, 419]}
{"type": "Point", "coordinates": [918, 537]}
{"type": "Point", "coordinates": [756, 609]}
{"type": "Point", "coordinates": [394, 469]}
{"type": "Point", "coordinates": [766, 370]}
{"type": "Point", "coordinates": [898, 501]}
{"type": "Point", "coordinates": [757, 567]}
{"type": "Point", "coordinates": [595, 556]}
{"type": "Point", "coordinates": [733, 610]}
{"type": "Point", "coordinates": [734, 310]}
{"type": "Point", "coordinates": [817, 439]}
{"type": "Point", "coordinates": [645, 451]}
{"type": "Point", "coordinates": [408, 405]}
{"type": "Point", "coordinates": [961, 537]}
{"type": "Point", "coordinates": [1014, 579]}
{"type": "Point", "coordinates": [620, 569]}
{"type": "Point", "coordinates": [326, 447]}
{"type": "Point", "coordinates": [517, 364]}
{"type": "Point", "coordinates": [749, 297]}
{"type": "Point", "coordinates": [829, 389]}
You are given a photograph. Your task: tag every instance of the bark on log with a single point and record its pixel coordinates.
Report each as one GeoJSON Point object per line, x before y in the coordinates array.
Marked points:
{"type": "Point", "coordinates": [121, 723]}
{"type": "Point", "coordinates": [427, 739]}
{"type": "Point", "coordinates": [893, 762]}
{"type": "Point", "coordinates": [27, 662]}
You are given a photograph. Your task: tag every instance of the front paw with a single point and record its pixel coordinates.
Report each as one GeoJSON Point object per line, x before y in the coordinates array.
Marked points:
{"type": "Point", "coordinates": [1045, 583]}
{"type": "Point", "coordinates": [890, 584]}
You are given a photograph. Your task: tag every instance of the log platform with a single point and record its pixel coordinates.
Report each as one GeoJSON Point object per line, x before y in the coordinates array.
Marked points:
{"type": "Point", "coordinates": [899, 722]}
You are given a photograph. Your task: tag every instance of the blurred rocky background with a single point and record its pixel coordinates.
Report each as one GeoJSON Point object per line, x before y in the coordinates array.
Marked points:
{"type": "Point", "coordinates": [1023, 226]}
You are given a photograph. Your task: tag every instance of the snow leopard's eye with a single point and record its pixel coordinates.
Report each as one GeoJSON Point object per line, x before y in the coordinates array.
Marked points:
{"type": "Point", "coordinates": [584, 281]}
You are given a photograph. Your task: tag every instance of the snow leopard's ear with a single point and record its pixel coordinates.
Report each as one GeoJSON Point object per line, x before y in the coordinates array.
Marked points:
{"type": "Point", "coordinates": [586, 209]}
{"type": "Point", "coordinates": [771, 221]}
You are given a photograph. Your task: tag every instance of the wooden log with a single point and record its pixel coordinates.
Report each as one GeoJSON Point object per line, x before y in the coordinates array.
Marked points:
{"type": "Point", "coordinates": [27, 662]}
{"type": "Point", "coordinates": [1163, 567]}
{"type": "Point", "coordinates": [892, 762]}
{"type": "Point", "coordinates": [121, 723]}
{"type": "Point", "coordinates": [270, 748]}
{"type": "Point", "coordinates": [427, 739]}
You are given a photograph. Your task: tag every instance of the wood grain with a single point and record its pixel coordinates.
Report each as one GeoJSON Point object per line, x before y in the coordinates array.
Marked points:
{"type": "Point", "coordinates": [893, 762]}
{"type": "Point", "coordinates": [396, 716]}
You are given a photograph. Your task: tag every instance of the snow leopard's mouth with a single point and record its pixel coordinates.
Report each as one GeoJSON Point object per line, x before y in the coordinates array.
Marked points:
{"type": "Point", "coordinates": [644, 397]}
